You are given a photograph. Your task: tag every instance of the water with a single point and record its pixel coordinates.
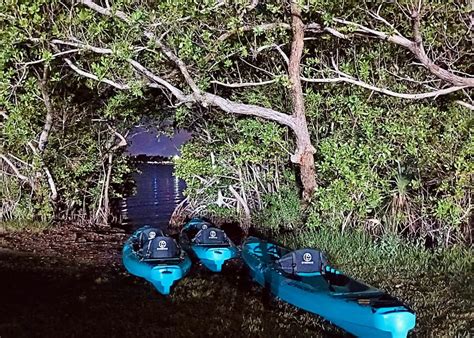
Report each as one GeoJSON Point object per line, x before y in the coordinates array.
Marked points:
{"type": "Point", "coordinates": [158, 193]}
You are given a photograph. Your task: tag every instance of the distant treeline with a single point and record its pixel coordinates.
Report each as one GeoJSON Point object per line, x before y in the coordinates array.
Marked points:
{"type": "Point", "coordinates": [143, 158]}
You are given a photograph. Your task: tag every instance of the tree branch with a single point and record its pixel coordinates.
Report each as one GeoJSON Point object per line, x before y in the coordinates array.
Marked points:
{"type": "Point", "coordinates": [313, 27]}
{"type": "Point", "coordinates": [105, 11]}
{"type": "Point", "coordinates": [43, 83]}
{"type": "Point", "coordinates": [203, 98]}
{"type": "Point", "coordinates": [53, 56]}
{"type": "Point", "coordinates": [244, 84]}
{"type": "Point", "coordinates": [465, 104]}
{"type": "Point", "coordinates": [94, 77]}
{"type": "Point", "coordinates": [362, 84]}
{"type": "Point", "coordinates": [416, 47]}
{"type": "Point", "coordinates": [14, 168]}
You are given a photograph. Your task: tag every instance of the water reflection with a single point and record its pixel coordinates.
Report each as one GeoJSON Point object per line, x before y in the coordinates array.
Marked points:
{"type": "Point", "coordinates": [157, 194]}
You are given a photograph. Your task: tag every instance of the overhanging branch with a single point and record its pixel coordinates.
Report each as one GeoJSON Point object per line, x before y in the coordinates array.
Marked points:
{"type": "Point", "coordinates": [415, 46]}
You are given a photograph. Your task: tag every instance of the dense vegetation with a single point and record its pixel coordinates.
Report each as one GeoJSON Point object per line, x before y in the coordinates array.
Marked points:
{"type": "Point", "coordinates": [324, 114]}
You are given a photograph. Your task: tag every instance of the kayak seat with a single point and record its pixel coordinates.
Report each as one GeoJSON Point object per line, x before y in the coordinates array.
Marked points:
{"type": "Point", "coordinates": [303, 261]}
{"type": "Point", "coordinates": [148, 234]}
{"type": "Point", "coordinates": [211, 236]}
{"type": "Point", "coordinates": [160, 248]}
{"type": "Point", "coordinates": [193, 227]}
{"type": "Point", "coordinates": [199, 224]}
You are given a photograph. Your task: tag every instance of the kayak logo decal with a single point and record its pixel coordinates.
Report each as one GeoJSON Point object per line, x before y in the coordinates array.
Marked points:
{"type": "Point", "coordinates": [162, 245]}
{"type": "Point", "coordinates": [212, 234]}
{"type": "Point", "coordinates": [151, 235]}
{"type": "Point", "coordinates": [307, 258]}
{"type": "Point", "coordinates": [204, 227]}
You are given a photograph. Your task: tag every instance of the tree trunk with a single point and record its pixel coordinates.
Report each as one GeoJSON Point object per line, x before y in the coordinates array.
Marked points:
{"type": "Point", "coordinates": [304, 149]}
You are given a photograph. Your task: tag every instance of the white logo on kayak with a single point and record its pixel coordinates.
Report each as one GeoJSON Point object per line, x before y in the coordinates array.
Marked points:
{"type": "Point", "coordinates": [307, 258]}
{"type": "Point", "coordinates": [212, 234]}
{"type": "Point", "coordinates": [151, 235]}
{"type": "Point", "coordinates": [204, 227]}
{"type": "Point", "coordinates": [162, 245]}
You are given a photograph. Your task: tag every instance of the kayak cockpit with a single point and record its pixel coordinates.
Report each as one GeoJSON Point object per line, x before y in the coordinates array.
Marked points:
{"type": "Point", "coordinates": [310, 267]}
{"type": "Point", "coordinates": [151, 245]}
{"type": "Point", "coordinates": [199, 232]}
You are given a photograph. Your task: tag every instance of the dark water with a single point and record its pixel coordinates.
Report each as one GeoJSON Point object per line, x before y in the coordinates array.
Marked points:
{"type": "Point", "coordinates": [157, 194]}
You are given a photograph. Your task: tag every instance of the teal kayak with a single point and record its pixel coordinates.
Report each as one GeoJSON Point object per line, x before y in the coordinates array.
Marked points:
{"type": "Point", "coordinates": [209, 244]}
{"type": "Point", "coordinates": [303, 279]}
{"type": "Point", "coordinates": [151, 255]}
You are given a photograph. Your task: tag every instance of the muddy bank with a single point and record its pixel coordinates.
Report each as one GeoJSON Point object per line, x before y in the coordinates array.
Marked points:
{"type": "Point", "coordinates": [79, 288]}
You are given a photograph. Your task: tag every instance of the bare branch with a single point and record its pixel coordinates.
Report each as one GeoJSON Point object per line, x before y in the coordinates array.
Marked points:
{"type": "Point", "coordinates": [105, 11]}
{"type": "Point", "coordinates": [385, 91]}
{"type": "Point", "coordinates": [313, 27]}
{"type": "Point", "coordinates": [14, 168]}
{"type": "Point", "coordinates": [174, 90]}
{"type": "Point", "coordinates": [249, 110]}
{"type": "Point", "coordinates": [43, 84]}
{"type": "Point", "coordinates": [416, 47]}
{"type": "Point", "coordinates": [123, 141]}
{"type": "Point", "coordinates": [82, 46]}
{"type": "Point", "coordinates": [465, 104]}
{"type": "Point", "coordinates": [53, 56]}
{"type": "Point", "coordinates": [94, 77]}
{"type": "Point", "coordinates": [202, 98]}
{"type": "Point", "coordinates": [244, 84]}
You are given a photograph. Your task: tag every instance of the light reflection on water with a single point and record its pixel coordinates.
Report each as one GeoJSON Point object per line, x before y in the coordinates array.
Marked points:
{"type": "Point", "coordinates": [158, 192]}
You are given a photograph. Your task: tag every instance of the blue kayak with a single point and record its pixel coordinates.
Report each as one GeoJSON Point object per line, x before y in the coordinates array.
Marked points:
{"type": "Point", "coordinates": [151, 255]}
{"type": "Point", "coordinates": [303, 279]}
{"type": "Point", "coordinates": [209, 244]}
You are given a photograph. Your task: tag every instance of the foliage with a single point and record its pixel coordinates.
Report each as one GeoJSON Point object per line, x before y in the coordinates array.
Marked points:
{"type": "Point", "coordinates": [390, 169]}
{"type": "Point", "coordinates": [383, 165]}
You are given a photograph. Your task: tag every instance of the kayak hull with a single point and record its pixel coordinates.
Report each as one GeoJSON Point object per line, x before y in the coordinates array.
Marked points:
{"type": "Point", "coordinates": [162, 275]}
{"type": "Point", "coordinates": [213, 257]}
{"type": "Point", "coordinates": [346, 308]}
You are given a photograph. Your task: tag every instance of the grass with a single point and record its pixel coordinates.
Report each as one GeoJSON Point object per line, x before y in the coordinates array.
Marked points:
{"type": "Point", "coordinates": [437, 284]}
{"type": "Point", "coordinates": [23, 225]}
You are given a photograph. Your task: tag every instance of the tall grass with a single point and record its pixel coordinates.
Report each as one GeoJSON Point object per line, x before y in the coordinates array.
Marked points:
{"type": "Point", "coordinates": [22, 225]}
{"type": "Point", "coordinates": [358, 251]}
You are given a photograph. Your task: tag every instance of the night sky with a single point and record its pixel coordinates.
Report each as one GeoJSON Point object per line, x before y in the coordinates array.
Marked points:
{"type": "Point", "coordinates": [143, 141]}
